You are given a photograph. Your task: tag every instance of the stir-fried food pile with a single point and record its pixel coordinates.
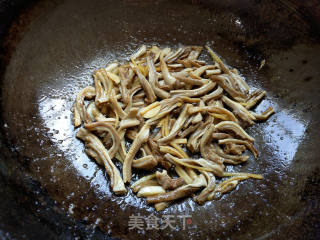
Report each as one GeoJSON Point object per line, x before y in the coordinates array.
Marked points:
{"type": "Point", "coordinates": [171, 114]}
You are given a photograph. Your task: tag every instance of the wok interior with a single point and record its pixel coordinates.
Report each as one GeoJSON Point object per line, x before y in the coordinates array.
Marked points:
{"type": "Point", "coordinates": [66, 40]}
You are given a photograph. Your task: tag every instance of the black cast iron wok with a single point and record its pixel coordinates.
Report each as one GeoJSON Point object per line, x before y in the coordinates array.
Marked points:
{"type": "Point", "coordinates": [49, 189]}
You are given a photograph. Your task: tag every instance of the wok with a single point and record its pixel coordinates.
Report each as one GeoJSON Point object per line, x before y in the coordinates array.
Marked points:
{"type": "Point", "coordinates": [51, 189]}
